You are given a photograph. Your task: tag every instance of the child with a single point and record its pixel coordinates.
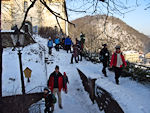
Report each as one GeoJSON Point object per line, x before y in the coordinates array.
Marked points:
{"type": "Point", "coordinates": [65, 81]}
{"type": "Point", "coordinates": [50, 100]}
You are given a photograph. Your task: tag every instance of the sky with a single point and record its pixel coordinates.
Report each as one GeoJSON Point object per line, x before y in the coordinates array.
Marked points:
{"type": "Point", "coordinates": [136, 16]}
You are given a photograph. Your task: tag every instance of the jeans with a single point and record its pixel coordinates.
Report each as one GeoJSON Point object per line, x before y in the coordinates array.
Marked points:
{"type": "Point", "coordinates": [118, 72]}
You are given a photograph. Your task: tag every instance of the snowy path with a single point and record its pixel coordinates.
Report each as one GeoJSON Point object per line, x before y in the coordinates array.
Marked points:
{"type": "Point", "coordinates": [77, 100]}
{"type": "Point", "coordinates": [131, 96]}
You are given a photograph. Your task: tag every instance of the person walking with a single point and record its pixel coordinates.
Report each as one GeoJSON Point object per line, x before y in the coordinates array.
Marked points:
{"type": "Point", "coordinates": [117, 61]}
{"type": "Point", "coordinates": [68, 43]}
{"type": "Point", "coordinates": [104, 58]}
{"type": "Point", "coordinates": [55, 83]}
{"type": "Point", "coordinates": [75, 53]}
{"type": "Point", "coordinates": [78, 43]}
{"type": "Point", "coordinates": [65, 81]}
{"type": "Point", "coordinates": [63, 43]}
{"type": "Point", "coordinates": [57, 42]}
{"type": "Point", "coordinates": [50, 45]}
{"type": "Point", "coordinates": [82, 40]}
{"type": "Point", "coordinates": [50, 100]}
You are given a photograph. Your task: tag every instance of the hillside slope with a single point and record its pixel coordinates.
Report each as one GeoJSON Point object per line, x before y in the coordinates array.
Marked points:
{"type": "Point", "coordinates": [114, 32]}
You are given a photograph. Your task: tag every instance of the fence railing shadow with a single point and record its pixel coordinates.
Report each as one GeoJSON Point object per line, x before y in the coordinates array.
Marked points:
{"type": "Point", "coordinates": [103, 98]}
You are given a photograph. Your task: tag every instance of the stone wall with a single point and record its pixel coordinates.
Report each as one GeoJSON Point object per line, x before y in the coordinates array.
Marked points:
{"type": "Point", "coordinates": [13, 12]}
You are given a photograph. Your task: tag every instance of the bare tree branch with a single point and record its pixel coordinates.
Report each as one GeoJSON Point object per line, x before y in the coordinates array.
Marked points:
{"type": "Point", "coordinates": [76, 10]}
{"type": "Point", "coordinates": [54, 13]}
{"type": "Point", "coordinates": [58, 24]}
{"type": "Point", "coordinates": [26, 14]}
{"type": "Point", "coordinates": [148, 6]}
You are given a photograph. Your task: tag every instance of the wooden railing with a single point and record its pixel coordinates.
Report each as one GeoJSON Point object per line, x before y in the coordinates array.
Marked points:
{"type": "Point", "coordinates": [103, 99]}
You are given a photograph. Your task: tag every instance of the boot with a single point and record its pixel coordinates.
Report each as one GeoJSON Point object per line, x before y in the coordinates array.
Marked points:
{"type": "Point", "coordinates": [105, 74]}
{"type": "Point", "coordinates": [60, 106]}
{"type": "Point", "coordinates": [52, 109]}
{"type": "Point", "coordinates": [117, 81]}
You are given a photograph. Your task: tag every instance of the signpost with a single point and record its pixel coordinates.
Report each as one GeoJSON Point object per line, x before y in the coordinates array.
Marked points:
{"type": "Point", "coordinates": [27, 73]}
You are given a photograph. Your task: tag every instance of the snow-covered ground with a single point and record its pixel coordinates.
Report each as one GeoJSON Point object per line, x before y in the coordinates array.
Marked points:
{"type": "Point", "coordinates": [132, 96]}
{"type": "Point", "coordinates": [76, 101]}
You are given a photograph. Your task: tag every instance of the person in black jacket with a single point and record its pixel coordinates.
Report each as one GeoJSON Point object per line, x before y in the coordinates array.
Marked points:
{"type": "Point", "coordinates": [50, 100]}
{"type": "Point", "coordinates": [104, 58]}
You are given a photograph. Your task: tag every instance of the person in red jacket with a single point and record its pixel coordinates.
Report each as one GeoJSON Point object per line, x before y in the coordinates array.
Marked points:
{"type": "Point", "coordinates": [55, 83]}
{"type": "Point", "coordinates": [117, 62]}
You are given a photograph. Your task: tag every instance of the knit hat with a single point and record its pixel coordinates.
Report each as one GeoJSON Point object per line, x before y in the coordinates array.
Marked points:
{"type": "Point", "coordinates": [117, 47]}
{"type": "Point", "coordinates": [104, 45]}
{"type": "Point", "coordinates": [64, 73]}
{"type": "Point", "coordinates": [57, 67]}
{"type": "Point", "coordinates": [46, 88]}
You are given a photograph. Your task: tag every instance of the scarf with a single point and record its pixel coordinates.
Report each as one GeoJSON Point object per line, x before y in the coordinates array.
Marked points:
{"type": "Point", "coordinates": [119, 60]}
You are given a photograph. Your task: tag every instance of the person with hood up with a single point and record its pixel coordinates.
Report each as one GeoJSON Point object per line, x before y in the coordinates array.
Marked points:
{"type": "Point", "coordinates": [50, 100]}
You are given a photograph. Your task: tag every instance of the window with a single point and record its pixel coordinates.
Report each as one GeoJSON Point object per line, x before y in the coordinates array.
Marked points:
{"type": "Point", "coordinates": [25, 6]}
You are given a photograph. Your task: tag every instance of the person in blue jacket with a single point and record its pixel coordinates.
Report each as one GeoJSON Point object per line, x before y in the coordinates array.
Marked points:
{"type": "Point", "coordinates": [57, 42]}
{"type": "Point", "coordinates": [68, 43]}
{"type": "Point", "coordinates": [50, 45]}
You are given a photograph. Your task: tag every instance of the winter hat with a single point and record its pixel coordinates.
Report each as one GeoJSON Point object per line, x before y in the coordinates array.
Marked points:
{"type": "Point", "coordinates": [104, 45]}
{"type": "Point", "coordinates": [64, 73]}
{"type": "Point", "coordinates": [57, 67]}
{"type": "Point", "coordinates": [117, 47]}
{"type": "Point", "coordinates": [46, 88]}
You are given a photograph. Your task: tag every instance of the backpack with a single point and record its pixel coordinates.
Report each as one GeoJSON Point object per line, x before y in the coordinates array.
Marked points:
{"type": "Point", "coordinates": [54, 99]}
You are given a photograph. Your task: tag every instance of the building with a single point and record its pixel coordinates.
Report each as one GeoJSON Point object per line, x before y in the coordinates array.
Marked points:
{"type": "Point", "coordinates": [147, 59]}
{"type": "Point", "coordinates": [132, 56]}
{"type": "Point", "coordinates": [13, 12]}
{"type": "Point", "coordinates": [147, 56]}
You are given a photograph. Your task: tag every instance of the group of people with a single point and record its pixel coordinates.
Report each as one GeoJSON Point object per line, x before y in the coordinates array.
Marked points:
{"type": "Point", "coordinates": [58, 82]}
{"type": "Point", "coordinates": [50, 44]}
{"type": "Point", "coordinates": [55, 84]}
{"type": "Point", "coordinates": [67, 44]}
{"type": "Point", "coordinates": [117, 61]}
{"type": "Point", "coordinates": [64, 43]}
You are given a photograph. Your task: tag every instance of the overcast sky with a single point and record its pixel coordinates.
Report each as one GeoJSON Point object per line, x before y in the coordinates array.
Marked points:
{"type": "Point", "coordinates": [138, 18]}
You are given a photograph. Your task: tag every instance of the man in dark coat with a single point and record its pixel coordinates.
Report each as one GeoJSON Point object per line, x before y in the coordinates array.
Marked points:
{"type": "Point", "coordinates": [104, 58]}
{"type": "Point", "coordinates": [55, 83]}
